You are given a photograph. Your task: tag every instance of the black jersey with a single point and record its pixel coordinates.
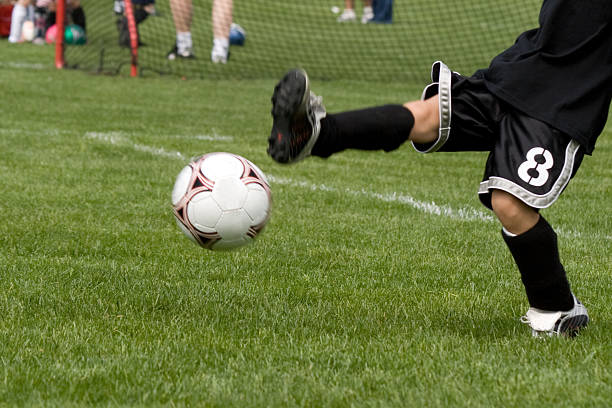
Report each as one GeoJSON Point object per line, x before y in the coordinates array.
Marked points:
{"type": "Point", "coordinates": [561, 72]}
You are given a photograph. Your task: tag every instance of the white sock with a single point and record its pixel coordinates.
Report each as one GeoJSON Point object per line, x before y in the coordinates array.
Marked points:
{"type": "Point", "coordinates": [183, 41]}
{"type": "Point", "coordinates": [17, 18]}
{"type": "Point", "coordinates": [221, 42]}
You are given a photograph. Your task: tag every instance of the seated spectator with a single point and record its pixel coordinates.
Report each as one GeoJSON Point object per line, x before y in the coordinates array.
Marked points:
{"type": "Point", "coordinates": [44, 16]}
{"type": "Point", "coordinates": [142, 9]}
{"type": "Point", "coordinates": [42, 11]}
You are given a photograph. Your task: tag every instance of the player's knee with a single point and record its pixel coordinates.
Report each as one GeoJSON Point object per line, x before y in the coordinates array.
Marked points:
{"type": "Point", "coordinates": [426, 120]}
{"type": "Point", "coordinates": [505, 206]}
{"type": "Point", "coordinates": [514, 215]}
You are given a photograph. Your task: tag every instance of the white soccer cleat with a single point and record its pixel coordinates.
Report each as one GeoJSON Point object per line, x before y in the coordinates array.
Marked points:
{"type": "Point", "coordinates": [548, 323]}
{"type": "Point", "coordinates": [368, 14]}
{"type": "Point", "coordinates": [347, 15]}
{"type": "Point", "coordinates": [219, 54]}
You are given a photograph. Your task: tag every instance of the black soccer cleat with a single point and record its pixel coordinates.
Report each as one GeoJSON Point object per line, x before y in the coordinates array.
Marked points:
{"type": "Point", "coordinates": [297, 114]}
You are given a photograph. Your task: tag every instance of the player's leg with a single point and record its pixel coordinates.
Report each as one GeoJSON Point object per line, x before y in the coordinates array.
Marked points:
{"type": "Point", "coordinates": [384, 127]}
{"type": "Point", "coordinates": [533, 245]}
{"type": "Point", "coordinates": [221, 22]}
{"type": "Point", "coordinates": [302, 127]}
{"type": "Point", "coordinates": [182, 14]}
{"type": "Point", "coordinates": [426, 119]}
{"type": "Point", "coordinates": [519, 180]}
{"type": "Point", "coordinates": [515, 216]}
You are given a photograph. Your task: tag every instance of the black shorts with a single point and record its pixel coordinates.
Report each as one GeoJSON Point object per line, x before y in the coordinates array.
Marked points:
{"type": "Point", "coordinates": [528, 158]}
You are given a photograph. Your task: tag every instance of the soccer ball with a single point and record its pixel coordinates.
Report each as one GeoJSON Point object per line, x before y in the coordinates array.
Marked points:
{"type": "Point", "coordinates": [221, 201]}
{"type": "Point", "coordinates": [75, 35]}
{"type": "Point", "coordinates": [237, 35]}
{"type": "Point", "coordinates": [51, 34]}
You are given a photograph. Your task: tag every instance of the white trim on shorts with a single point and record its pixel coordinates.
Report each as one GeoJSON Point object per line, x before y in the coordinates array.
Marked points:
{"type": "Point", "coordinates": [529, 198]}
{"type": "Point", "coordinates": [441, 78]}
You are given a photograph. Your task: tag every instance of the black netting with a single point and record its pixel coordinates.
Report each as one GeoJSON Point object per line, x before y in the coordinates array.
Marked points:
{"type": "Point", "coordinates": [281, 34]}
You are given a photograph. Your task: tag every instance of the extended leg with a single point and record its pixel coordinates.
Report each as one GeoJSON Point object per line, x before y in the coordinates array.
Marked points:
{"type": "Point", "coordinates": [302, 127]}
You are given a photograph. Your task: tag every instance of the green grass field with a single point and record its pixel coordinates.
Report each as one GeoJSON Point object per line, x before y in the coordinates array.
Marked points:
{"type": "Point", "coordinates": [379, 281]}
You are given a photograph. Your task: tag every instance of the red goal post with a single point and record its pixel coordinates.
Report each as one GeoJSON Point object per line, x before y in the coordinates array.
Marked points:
{"type": "Point", "coordinates": [61, 26]}
{"type": "Point", "coordinates": [60, 13]}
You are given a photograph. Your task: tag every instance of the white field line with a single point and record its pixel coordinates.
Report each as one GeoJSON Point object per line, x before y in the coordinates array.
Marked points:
{"type": "Point", "coordinates": [463, 213]}
{"type": "Point", "coordinates": [211, 138]}
{"type": "Point", "coordinates": [28, 65]}
{"type": "Point", "coordinates": [214, 137]}
{"type": "Point", "coordinates": [118, 139]}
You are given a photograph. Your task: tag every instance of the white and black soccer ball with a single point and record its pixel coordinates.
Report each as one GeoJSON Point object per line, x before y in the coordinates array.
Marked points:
{"type": "Point", "coordinates": [221, 201]}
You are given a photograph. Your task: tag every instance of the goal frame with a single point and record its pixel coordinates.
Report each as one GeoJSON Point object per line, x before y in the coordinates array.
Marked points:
{"type": "Point", "coordinates": [61, 26]}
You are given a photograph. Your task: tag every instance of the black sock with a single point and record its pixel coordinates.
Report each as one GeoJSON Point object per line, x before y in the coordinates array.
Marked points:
{"type": "Point", "coordinates": [537, 256]}
{"type": "Point", "coordinates": [140, 14]}
{"type": "Point", "coordinates": [382, 127]}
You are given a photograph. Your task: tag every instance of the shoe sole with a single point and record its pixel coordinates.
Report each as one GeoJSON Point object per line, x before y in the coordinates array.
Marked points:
{"type": "Point", "coordinates": [290, 94]}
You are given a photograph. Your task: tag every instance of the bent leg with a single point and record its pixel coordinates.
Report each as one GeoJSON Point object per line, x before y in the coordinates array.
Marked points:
{"type": "Point", "coordinates": [533, 245]}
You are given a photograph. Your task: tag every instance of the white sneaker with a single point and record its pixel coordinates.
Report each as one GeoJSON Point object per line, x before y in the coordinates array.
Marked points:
{"type": "Point", "coordinates": [547, 323]}
{"type": "Point", "coordinates": [219, 54]}
{"type": "Point", "coordinates": [368, 14]}
{"type": "Point", "coordinates": [347, 15]}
